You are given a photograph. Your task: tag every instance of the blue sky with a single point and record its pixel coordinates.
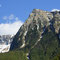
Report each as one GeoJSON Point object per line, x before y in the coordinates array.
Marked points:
{"type": "Point", "coordinates": [12, 10]}
{"type": "Point", "coordinates": [22, 8]}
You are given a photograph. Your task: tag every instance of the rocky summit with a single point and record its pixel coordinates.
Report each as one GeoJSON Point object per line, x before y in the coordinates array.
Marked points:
{"type": "Point", "coordinates": [39, 36]}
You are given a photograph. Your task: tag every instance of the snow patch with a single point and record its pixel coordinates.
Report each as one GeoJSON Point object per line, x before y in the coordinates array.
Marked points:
{"type": "Point", "coordinates": [4, 48]}
{"type": "Point", "coordinates": [23, 45]}
{"type": "Point", "coordinates": [37, 26]}
{"type": "Point", "coordinates": [27, 56]}
{"type": "Point", "coordinates": [25, 33]}
{"type": "Point", "coordinates": [40, 37]}
{"type": "Point", "coordinates": [55, 10]}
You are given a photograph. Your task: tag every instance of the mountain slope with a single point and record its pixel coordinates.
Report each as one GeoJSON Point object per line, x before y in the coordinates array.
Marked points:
{"type": "Point", "coordinates": [46, 49]}
{"type": "Point", "coordinates": [39, 36]}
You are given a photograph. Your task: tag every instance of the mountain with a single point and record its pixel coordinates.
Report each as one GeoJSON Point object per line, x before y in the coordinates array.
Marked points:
{"type": "Point", "coordinates": [39, 36]}
{"type": "Point", "coordinates": [5, 42]}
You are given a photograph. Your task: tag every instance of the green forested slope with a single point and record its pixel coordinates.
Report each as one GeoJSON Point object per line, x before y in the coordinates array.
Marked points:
{"type": "Point", "coordinates": [13, 55]}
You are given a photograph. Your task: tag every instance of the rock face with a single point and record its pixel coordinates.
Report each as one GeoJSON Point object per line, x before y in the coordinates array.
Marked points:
{"type": "Point", "coordinates": [57, 22]}
{"type": "Point", "coordinates": [39, 32]}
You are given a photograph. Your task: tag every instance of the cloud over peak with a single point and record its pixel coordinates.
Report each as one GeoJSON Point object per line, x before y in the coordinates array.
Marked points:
{"type": "Point", "coordinates": [10, 27]}
{"type": "Point", "coordinates": [55, 10]}
{"type": "Point", "coordinates": [10, 17]}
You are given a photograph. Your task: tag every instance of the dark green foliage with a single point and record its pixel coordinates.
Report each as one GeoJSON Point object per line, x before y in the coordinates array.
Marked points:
{"type": "Point", "coordinates": [57, 57]}
{"type": "Point", "coordinates": [46, 49]}
{"type": "Point", "coordinates": [13, 55]}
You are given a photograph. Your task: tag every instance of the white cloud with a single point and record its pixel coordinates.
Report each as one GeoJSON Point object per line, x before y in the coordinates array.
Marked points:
{"type": "Point", "coordinates": [5, 17]}
{"type": "Point", "coordinates": [53, 10]}
{"type": "Point", "coordinates": [10, 28]}
{"type": "Point", "coordinates": [11, 17]}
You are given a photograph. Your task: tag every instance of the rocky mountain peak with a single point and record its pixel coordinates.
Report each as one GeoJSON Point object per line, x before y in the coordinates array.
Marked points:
{"type": "Point", "coordinates": [39, 36]}
{"type": "Point", "coordinates": [37, 24]}
{"type": "Point", "coordinates": [37, 16]}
